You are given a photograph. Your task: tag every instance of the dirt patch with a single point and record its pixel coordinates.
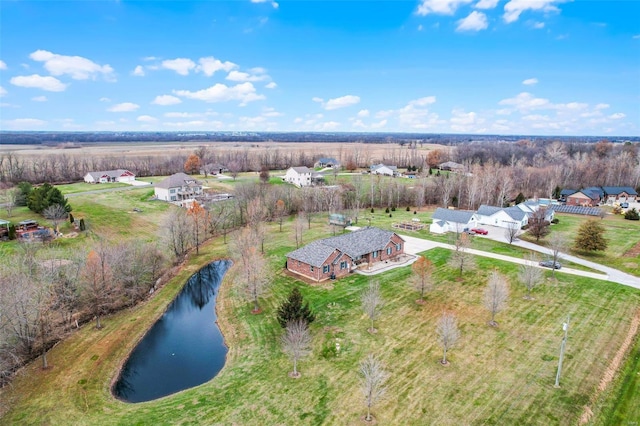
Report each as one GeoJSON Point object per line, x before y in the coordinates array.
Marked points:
{"type": "Point", "coordinates": [633, 251]}
{"type": "Point", "coordinates": [613, 367]}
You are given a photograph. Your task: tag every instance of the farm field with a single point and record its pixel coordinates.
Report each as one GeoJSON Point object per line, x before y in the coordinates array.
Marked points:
{"type": "Point", "coordinates": [498, 375]}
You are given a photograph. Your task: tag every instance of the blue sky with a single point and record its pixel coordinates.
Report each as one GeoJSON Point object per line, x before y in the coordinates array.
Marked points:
{"type": "Point", "coordinates": [544, 67]}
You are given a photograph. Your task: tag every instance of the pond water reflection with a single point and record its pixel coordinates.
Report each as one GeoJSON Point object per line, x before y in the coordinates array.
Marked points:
{"type": "Point", "coordinates": [184, 348]}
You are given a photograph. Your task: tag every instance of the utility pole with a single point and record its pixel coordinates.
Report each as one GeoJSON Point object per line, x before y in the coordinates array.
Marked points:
{"type": "Point", "coordinates": [565, 328]}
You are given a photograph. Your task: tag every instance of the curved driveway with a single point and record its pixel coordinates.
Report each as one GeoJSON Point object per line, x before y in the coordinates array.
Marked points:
{"type": "Point", "coordinates": [415, 245]}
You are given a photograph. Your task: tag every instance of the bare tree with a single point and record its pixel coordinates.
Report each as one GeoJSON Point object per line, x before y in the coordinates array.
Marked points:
{"type": "Point", "coordinates": [9, 197]}
{"type": "Point", "coordinates": [448, 334]}
{"type": "Point", "coordinates": [422, 276]}
{"type": "Point", "coordinates": [538, 225]}
{"type": "Point", "coordinates": [460, 258]}
{"type": "Point", "coordinates": [56, 213]}
{"type": "Point", "coordinates": [298, 228]}
{"type": "Point", "coordinates": [280, 212]}
{"type": "Point", "coordinates": [512, 232]}
{"type": "Point", "coordinates": [178, 232]}
{"type": "Point", "coordinates": [530, 274]}
{"type": "Point", "coordinates": [296, 342]}
{"type": "Point", "coordinates": [496, 295]}
{"type": "Point", "coordinates": [199, 220]}
{"type": "Point", "coordinates": [557, 245]}
{"type": "Point", "coordinates": [372, 382]}
{"type": "Point", "coordinates": [372, 303]}
{"type": "Point", "coordinates": [98, 287]}
{"type": "Point", "coordinates": [254, 270]}
{"type": "Point", "coordinates": [234, 169]}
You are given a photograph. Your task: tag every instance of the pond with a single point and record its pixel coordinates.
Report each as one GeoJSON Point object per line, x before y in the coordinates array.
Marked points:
{"type": "Point", "coordinates": [184, 348]}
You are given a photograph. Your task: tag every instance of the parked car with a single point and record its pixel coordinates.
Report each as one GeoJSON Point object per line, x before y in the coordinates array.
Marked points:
{"type": "Point", "coordinates": [469, 231]}
{"type": "Point", "coordinates": [550, 264]}
{"type": "Point", "coordinates": [480, 231]}
{"type": "Point", "coordinates": [624, 205]}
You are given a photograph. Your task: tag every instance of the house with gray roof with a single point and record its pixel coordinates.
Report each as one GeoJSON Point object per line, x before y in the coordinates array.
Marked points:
{"type": "Point", "coordinates": [302, 176]}
{"type": "Point", "coordinates": [382, 169]}
{"type": "Point", "coordinates": [335, 257]}
{"type": "Point", "coordinates": [619, 194]}
{"type": "Point", "coordinates": [110, 176]}
{"type": "Point", "coordinates": [446, 220]}
{"type": "Point", "coordinates": [327, 162]}
{"type": "Point", "coordinates": [178, 188]}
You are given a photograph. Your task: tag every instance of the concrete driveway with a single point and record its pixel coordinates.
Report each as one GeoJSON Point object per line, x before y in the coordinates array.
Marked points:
{"type": "Point", "coordinates": [415, 245]}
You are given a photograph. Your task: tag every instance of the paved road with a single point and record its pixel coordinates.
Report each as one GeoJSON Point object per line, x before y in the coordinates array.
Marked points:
{"type": "Point", "coordinates": [415, 245]}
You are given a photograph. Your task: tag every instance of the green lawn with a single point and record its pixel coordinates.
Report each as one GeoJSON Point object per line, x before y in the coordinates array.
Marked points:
{"type": "Point", "coordinates": [497, 375]}
{"type": "Point", "coordinates": [73, 188]}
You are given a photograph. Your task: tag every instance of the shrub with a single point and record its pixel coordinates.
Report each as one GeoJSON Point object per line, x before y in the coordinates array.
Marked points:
{"type": "Point", "coordinates": [82, 225]}
{"type": "Point", "coordinates": [408, 209]}
{"type": "Point", "coordinates": [372, 210]}
{"type": "Point", "coordinates": [393, 208]}
{"type": "Point", "coordinates": [632, 214]}
{"type": "Point", "coordinates": [390, 215]}
{"type": "Point", "coordinates": [387, 210]}
{"type": "Point", "coordinates": [555, 220]}
{"type": "Point", "coordinates": [415, 212]}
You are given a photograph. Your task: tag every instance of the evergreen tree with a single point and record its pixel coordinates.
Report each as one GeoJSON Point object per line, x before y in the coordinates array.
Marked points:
{"type": "Point", "coordinates": [632, 214]}
{"type": "Point", "coordinates": [44, 196]}
{"type": "Point", "coordinates": [24, 189]}
{"type": "Point", "coordinates": [294, 308]}
{"type": "Point", "coordinates": [520, 198]}
{"type": "Point", "coordinates": [82, 225]}
{"type": "Point", "coordinates": [591, 236]}
{"type": "Point", "coordinates": [71, 219]}
{"type": "Point", "coordinates": [556, 193]}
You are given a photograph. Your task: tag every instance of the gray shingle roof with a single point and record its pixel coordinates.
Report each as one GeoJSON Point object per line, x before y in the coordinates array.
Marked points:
{"type": "Point", "coordinates": [457, 216]}
{"type": "Point", "coordinates": [302, 169]}
{"type": "Point", "coordinates": [177, 180]}
{"type": "Point", "coordinates": [615, 190]}
{"type": "Point", "coordinates": [515, 213]}
{"type": "Point", "coordinates": [566, 192]}
{"type": "Point", "coordinates": [485, 210]}
{"type": "Point", "coordinates": [110, 173]}
{"type": "Point", "coordinates": [354, 244]}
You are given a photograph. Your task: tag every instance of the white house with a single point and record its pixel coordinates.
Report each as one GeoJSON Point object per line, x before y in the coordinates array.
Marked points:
{"type": "Point", "coordinates": [178, 187]}
{"type": "Point", "coordinates": [299, 176]}
{"type": "Point", "coordinates": [110, 176]}
{"type": "Point", "coordinates": [445, 220]}
{"type": "Point", "coordinates": [302, 176]}
{"type": "Point", "coordinates": [381, 169]}
{"type": "Point", "coordinates": [502, 217]}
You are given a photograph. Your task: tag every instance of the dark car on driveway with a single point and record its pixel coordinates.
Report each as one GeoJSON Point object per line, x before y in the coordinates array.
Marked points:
{"type": "Point", "coordinates": [550, 264]}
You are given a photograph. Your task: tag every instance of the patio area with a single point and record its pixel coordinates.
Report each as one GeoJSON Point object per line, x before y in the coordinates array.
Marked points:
{"type": "Point", "coordinates": [404, 259]}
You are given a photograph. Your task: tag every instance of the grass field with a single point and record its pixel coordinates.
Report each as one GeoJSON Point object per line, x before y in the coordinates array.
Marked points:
{"type": "Point", "coordinates": [498, 375]}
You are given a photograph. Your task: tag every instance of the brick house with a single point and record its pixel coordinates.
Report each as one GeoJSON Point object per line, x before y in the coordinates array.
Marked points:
{"type": "Point", "coordinates": [619, 194]}
{"type": "Point", "coordinates": [588, 197]}
{"type": "Point", "coordinates": [336, 257]}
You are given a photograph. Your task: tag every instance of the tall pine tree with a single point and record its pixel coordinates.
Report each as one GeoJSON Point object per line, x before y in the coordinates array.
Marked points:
{"type": "Point", "coordinates": [294, 308]}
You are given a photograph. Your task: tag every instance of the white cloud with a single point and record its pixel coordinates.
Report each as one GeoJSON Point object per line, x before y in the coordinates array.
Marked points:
{"type": "Point", "coordinates": [3, 91]}
{"type": "Point", "coordinates": [243, 76]}
{"type": "Point", "coordinates": [530, 81]}
{"type": "Point", "coordinates": [420, 27]}
{"type": "Point", "coordinates": [271, 85]}
{"type": "Point", "coordinates": [274, 4]}
{"type": "Point", "coordinates": [363, 113]}
{"type": "Point", "coordinates": [149, 58]}
{"type": "Point", "coordinates": [124, 107]}
{"type": "Point", "coordinates": [526, 101]}
{"type": "Point", "coordinates": [182, 114]}
{"type": "Point", "coordinates": [244, 93]}
{"type": "Point", "coordinates": [537, 25]}
{"type": "Point", "coordinates": [514, 8]}
{"type": "Point", "coordinates": [271, 112]}
{"type": "Point", "coordinates": [39, 99]}
{"type": "Point", "coordinates": [138, 71]}
{"type": "Point", "coordinates": [209, 65]}
{"type": "Point", "coordinates": [336, 103]}
{"type": "Point", "coordinates": [602, 106]}
{"type": "Point", "coordinates": [328, 125]}
{"type": "Point", "coordinates": [636, 37]}
{"type": "Point", "coordinates": [342, 102]}
{"type": "Point", "coordinates": [180, 65]}
{"type": "Point", "coordinates": [166, 100]}
{"type": "Point", "coordinates": [486, 4]}
{"type": "Point", "coordinates": [23, 123]}
{"type": "Point", "coordinates": [421, 102]}
{"type": "Point", "coordinates": [3, 65]}
{"type": "Point", "coordinates": [617, 116]}
{"type": "Point", "coordinates": [146, 119]}
{"type": "Point", "coordinates": [76, 67]}
{"type": "Point", "coordinates": [380, 124]}
{"type": "Point", "coordinates": [442, 7]}
{"type": "Point", "coordinates": [48, 83]}
{"type": "Point", "coordinates": [462, 121]}
{"type": "Point", "coordinates": [105, 100]}
{"type": "Point", "coordinates": [476, 21]}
